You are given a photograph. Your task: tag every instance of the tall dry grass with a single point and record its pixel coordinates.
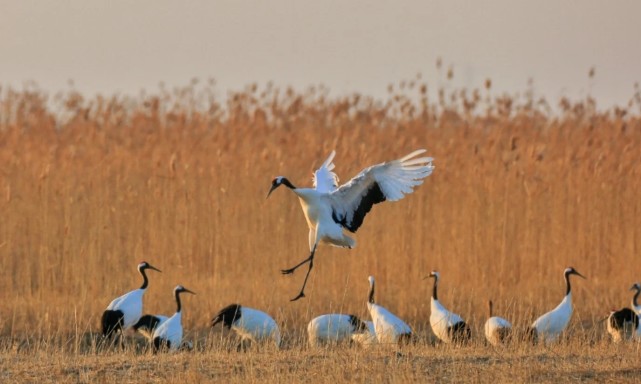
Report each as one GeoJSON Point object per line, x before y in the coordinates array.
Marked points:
{"type": "Point", "coordinates": [89, 187]}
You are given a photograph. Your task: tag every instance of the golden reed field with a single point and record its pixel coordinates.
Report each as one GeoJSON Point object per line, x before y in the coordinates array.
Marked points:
{"type": "Point", "coordinates": [523, 188]}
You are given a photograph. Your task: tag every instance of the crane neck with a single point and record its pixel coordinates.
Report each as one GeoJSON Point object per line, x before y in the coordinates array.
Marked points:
{"type": "Point", "coordinates": [287, 183]}
{"type": "Point", "coordinates": [635, 297]}
{"type": "Point", "coordinates": [371, 293]}
{"type": "Point", "coordinates": [567, 282]}
{"type": "Point", "coordinates": [489, 305]}
{"type": "Point", "coordinates": [435, 289]}
{"type": "Point", "coordinates": [145, 281]}
{"type": "Point", "coordinates": [178, 305]}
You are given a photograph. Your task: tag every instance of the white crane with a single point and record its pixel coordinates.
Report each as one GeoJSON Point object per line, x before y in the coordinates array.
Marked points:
{"type": "Point", "coordinates": [635, 306]}
{"type": "Point", "coordinates": [550, 325]}
{"type": "Point", "coordinates": [447, 326]}
{"type": "Point", "coordinates": [124, 311]}
{"type": "Point", "coordinates": [623, 324]}
{"type": "Point", "coordinates": [329, 209]}
{"type": "Point", "coordinates": [388, 327]}
{"type": "Point", "coordinates": [333, 328]}
{"type": "Point", "coordinates": [250, 324]}
{"type": "Point", "coordinates": [169, 334]}
{"type": "Point", "coordinates": [148, 324]}
{"type": "Point", "coordinates": [497, 329]}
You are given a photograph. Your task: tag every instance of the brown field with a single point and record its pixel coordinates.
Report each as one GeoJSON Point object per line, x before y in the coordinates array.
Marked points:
{"type": "Point", "coordinates": [90, 187]}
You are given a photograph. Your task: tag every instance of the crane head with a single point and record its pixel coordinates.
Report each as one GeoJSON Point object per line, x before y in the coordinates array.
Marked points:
{"type": "Point", "coordinates": [181, 289]}
{"type": "Point", "coordinates": [572, 271]}
{"type": "Point", "coordinates": [145, 265]}
{"type": "Point", "coordinates": [434, 274]}
{"type": "Point", "coordinates": [277, 182]}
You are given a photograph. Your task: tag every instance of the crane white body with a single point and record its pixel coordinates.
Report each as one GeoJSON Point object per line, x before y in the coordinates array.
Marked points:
{"type": "Point", "coordinates": [148, 324]}
{"type": "Point", "coordinates": [447, 326]}
{"type": "Point", "coordinates": [550, 325]}
{"type": "Point", "coordinates": [130, 304]}
{"type": "Point", "coordinates": [250, 324]}
{"type": "Point", "coordinates": [124, 311]}
{"type": "Point", "coordinates": [497, 329]}
{"type": "Point", "coordinates": [330, 209]}
{"type": "Point", "coordinates": [169, 333]}
{"type": "Point", "coordinates": [388, 327]}
{"type": "Point", "coordinates": [333, 329]}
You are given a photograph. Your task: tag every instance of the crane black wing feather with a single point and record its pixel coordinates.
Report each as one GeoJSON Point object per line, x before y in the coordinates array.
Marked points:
{"type": "Point", "coordinates": [391, 181]}
{"type": "Point", "coordinates": [227, 315]}
{"type": "Point", "coordinates": [372, 196]}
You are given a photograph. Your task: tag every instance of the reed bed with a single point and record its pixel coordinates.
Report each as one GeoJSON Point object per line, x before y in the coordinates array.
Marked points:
{"type": "Point", "coordinates": [91, 186]}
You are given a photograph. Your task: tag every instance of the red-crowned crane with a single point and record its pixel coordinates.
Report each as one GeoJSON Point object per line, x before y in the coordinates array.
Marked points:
{"type": "Point", "coordinates": [169, 334]}
{"type": "Point", "coordinates": [622, 324]}
{"type": "Point", "coordinates": [250, 324]}
{"type": "Point", "coordinates": [148, 324]}
{"type": "Point", "coordinates": [123, 312]}
{"type": "Point", "coordinates": [333, 328]}
{"type": "Point", "coordinates": [497, 330]}
{"type": "Point", "coordinates": [447, 326]}
{"type": "Point", "coordinates": [330, 209]}
{"type": "Point", "coordinates": [550, 325]}
{"type": "Point", "coordinates": [388, 327]}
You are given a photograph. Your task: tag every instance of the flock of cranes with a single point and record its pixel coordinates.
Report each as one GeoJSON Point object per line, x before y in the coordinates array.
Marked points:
{"type": "Point", "coordinates": [255, 326]}
{"type": "Point", "coordinates": [331, 209]}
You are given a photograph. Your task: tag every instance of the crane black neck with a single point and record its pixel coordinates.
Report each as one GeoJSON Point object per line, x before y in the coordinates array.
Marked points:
{"type": "Point", "coordinates": [284, 181]}
{"type": "Point", "coordinates": [145, 282]}
{"type": "Point", "coordinates": [567, 282]}
{"type": "Point", "coordinates": [178, 306]}
{"type": "Point", "coordinates": [635, 297]}
{"type": "Point", "coordinates": [434, 289]}
{"type": "Point", "coordinates": [489, 304]}
{"type": "Point", "coordinates": [371, 293]}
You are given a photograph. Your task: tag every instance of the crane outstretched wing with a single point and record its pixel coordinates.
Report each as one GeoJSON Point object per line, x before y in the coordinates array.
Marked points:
{"type": "Point", "coordinates": [391, 181]}
{"type": "Point", "coordinates": [324, 179]}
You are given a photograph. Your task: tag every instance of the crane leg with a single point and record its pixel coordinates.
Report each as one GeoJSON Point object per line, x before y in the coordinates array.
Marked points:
{"type": "Point", "coordinates": [309, 260]}
{"type": "Point", "coordinates": [302, 290]}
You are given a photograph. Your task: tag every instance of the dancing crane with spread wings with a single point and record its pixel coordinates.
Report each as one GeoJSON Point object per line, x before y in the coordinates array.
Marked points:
{"type": "Point", "coordinates": [329, 209]}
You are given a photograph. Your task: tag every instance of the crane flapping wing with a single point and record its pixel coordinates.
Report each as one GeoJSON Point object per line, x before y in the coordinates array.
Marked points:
{"type": "Point", "coordinates": [391, 181]}
{"type": "Point", "coordinates": [324, 179]}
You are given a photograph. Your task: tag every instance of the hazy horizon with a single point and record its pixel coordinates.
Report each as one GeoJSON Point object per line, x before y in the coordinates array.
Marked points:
{"type": "Point", "coordinates": [356, 46]}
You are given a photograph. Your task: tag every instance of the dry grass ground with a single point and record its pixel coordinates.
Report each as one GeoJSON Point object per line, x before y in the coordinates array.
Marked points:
{"type": "Point", "coordinates": [570, 362]}
{"type": "Point", "coordinates": [179, 179]}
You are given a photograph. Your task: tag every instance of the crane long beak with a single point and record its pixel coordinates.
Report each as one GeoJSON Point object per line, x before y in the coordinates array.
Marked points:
{"type": "Point", "coordinates": [580, 275]}
{"type": "Point", "coordinates": [188, 291]}
{"type": "Point", "coordinates": [271, 190]}
{"type": "Point", "coordinates": [154, 268]}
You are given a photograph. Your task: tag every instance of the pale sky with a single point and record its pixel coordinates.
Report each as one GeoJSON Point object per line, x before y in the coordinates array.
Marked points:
{"type": "Point", "coordinates": [350, 46]}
